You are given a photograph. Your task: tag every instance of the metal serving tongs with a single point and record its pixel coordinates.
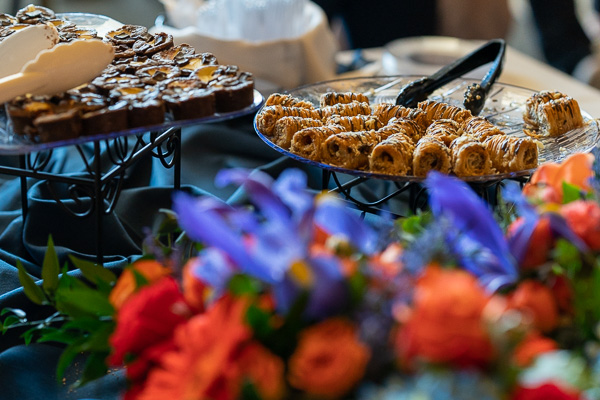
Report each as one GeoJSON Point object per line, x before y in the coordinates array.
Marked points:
{"type": "Point", "coordinates": [492, 51]}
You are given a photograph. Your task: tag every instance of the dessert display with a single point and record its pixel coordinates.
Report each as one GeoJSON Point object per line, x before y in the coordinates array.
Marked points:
{"type": "Point", "coordinates": [150, 81]}
{"type": "Point", "coordinates": [346, 131]}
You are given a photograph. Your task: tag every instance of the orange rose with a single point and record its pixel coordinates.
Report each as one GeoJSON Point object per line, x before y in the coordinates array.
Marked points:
{"type": "Point", "coordinates": [531, 347]}
{"type": "Point", "coordinates": [203, 366]}
{"type": "Point", "coordinates": [537, 301]}
{"type": "Point", "coordinates": [264, 370]}
{"type": "Point", "coordinates": [540, 242]}
{"type": "Point", "coordinates": [446, 324]}
{"type": "Point", "coordinates": [583, 218]}
{"type": "Point", "coordinates": [329, 359]}
{"type": "Point", "coordinates": [151, 270]}
{"type": "Point", "coordinates": [194, 290]}
{"type": "Point", "coordinates": [575, 170]}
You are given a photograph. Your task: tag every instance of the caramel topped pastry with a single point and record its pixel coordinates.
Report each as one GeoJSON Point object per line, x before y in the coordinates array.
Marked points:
{"type": "Point", "coordinates": [8, 20]}
{"type": "Point", "coordinates": [438, 110]}
{"type": "Point", "coordinates": [550, 114]}
{"type": "Point", "coordinates": [310, 142]}
{"type": "Point", "coordinates": [60, 24]}
{"type": "Point", "coordinates": [286, 100]}
{"type": "Point", "coordinates": [177, 55]}
{"type": "Point", "coordinates": [192, 103]}
{"type": "Point", "coordinates": [470, 157]}
{"type": "Point", "coordinates": [509, 153]}
{"type": "Point", "coordinates": [265, 121]}
{"type": "Point", "coordinates": [393, 155]}
{"type": "Point", "coordinates": [138, 93]}
{"type": "Point", "coordinates": [204, 73]}
{"type": "Point", "coordinates": [188, 65]}
{"type": "Point", "coordinates": [445, 130]}
{"type": "Point", "coordinates": [232, 92]}
{"type": "Point", "coordinates": [33, 14]}
{"type": "Point", "coordinates": [74, 33]}
{"type": "Point", "coordinates": [127, 34]}
{"type": "Point", "coordinates": [158, 73]}
{"type": "Point", "coordinates": [349, 109]}
{"type": "Point", "coordinates": [355, 123]}
{"type": "Point", "coordinates": [286, 127]}
{"type": "Point", "coordinates": [480, 128]}
{"type": "Point", "coordinates": [108, 83]}
{"type": "Point", "coordinates": [431, 154]}
{"type": "Point", "coordinates": [158, 42]}
{"type": "Point", "coordinates": [331, 98]}
{"type": "Point", "coordinates": [406, 126]}
{"type": "Point", "coordinates": [352, 149]}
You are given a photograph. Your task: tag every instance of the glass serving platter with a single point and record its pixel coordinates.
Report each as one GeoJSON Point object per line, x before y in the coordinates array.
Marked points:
{"type": "Point", "coordinates": [504, 107]}
{"type": "Point", "coordinates": [15, 144]}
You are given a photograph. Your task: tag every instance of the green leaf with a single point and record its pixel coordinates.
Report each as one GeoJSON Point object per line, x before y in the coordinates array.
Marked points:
{"type": "Point", "coordinates": [413, 225]}
{"type": "Point", "coordinates": [10, 321]}
{"type": "Point", "coordinates": [83, 303]}
{"type": "Point", "coordinates": [249, 392]}
{"type": "Point", "coordinates": [15, 311]}
{"type": "Point", "coordinates": [60, 336]}
{"type": "Point", "coordinates": [570, 193]}
{"type": "Point", "coordinates": [243, 284]}
{"type": "Point", "coordinates": [93, 272]}
{"type": "Point", "coordinates": [50, 268]}
{"type": "Point", "coordinates": [67, 357]}
{"type": "Point", "coordinates": [32, 291]}
{"type": "Point", "coordinates": [259, 319]}
{"type": "Point", "coordinates": [95, 368]}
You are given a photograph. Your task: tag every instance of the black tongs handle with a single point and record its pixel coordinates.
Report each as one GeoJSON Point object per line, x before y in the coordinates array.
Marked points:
{"type": "Point", "coordinates": [419, 89]}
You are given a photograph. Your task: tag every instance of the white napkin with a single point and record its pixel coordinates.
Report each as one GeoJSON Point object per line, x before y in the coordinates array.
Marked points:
{"type": "Point", "coordinates": [282, 63]}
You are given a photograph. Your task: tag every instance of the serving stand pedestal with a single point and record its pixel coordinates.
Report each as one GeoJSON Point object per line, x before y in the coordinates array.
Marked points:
{"type": "Point", "coordinates": [101, 184]}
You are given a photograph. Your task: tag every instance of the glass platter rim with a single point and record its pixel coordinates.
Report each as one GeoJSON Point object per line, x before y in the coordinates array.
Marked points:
{"type": "Point", "coordinates": [23, 146]}
{"type": "Point", "coordinates": [390, 177]}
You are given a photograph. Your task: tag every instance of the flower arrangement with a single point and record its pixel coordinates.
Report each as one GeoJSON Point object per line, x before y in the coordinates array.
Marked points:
{"type": "Point", "coordinates": [295, 296]}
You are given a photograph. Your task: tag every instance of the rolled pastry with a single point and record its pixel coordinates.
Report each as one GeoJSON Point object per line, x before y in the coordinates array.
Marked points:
{"type": "Point", "coordinates": [531, 104]}
{"type": "Point", "coordinates": [331, 98]}
{"type": "Point", "coordinates": [286, 127]}
{"type": "Point", "coordinates": [266, 118]}
{"type": "Point", "coordinates": [480, 128]}
{"type": "Point", "coordinates": [552, 117]}
{"type": "Point", "coordinates": [438, 110]}
{"type": "Point", "coordinates": [349, 109]}
{"type": "Point", "coordinates": [310, 142]}
{"type": "Point", "coordinates": [351, 149]}
{"type": "Point", "coordinates": [404, 125]}
{"type": "Point", "coordinates": [510, 153]}
{"type": "Point", "coordinates": [355, 123]}
{"type": "Point", "coordinates": [393, 156]}
{"type": "Point", "coordinates": [431, 154]}
{"type": "Point", "coordinates": [286, 100]}
{"type": "Point", "coordinates": [445, 130]}
{"type": "Point", "coordinates": [470, 157]}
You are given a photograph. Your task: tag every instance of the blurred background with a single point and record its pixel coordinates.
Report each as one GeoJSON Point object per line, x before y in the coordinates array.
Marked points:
{"type": "Point", "coordinates": [520, 29]}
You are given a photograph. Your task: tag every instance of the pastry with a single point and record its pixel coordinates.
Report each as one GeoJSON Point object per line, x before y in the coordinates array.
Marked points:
{"type": "Point", "coordinates": [310, 142]}
{"type": "Point", "coordinates": [431, 154]}
{"type": "Point", "coordinates": [438, 110]}
{"type": "Point", "coordinates": [406, 126]}
{"type": "Point", "coordinates": [286, 127]}
{"type": "Point", "coordinates": [550, 114]}
{"type": "Point", "coordinates": [480, 128]}
{"type": "Point", "coordinates": [265, 121]}
{"type": "Point", "coordinates": [331, 98]}
{"type": "Point", "coordinates": [356, 123]}
{"type": "Point", "coordinates": [286, 100]}
{"type": "Point", "coordinates": [470, 157]}
{"type": "Point", "coordinates": [445, 130]}
{"type": "Point", "coordinates": [509, 153]}
{"type": "Point", "coordinates": [393, 156]}
{"type": "Point", "coordinates": [351, 150]}
{"type": "Point", "coordinates": [345, 109]}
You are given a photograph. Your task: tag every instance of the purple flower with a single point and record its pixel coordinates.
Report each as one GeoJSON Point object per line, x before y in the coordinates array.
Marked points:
{"type": "Point", "coordinates": [475, 235]}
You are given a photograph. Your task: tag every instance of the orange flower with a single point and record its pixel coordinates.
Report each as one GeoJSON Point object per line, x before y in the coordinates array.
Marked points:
{"type": "Point", "coordinates": [575, 170]}
{"type": "Point", "coordinates": [531, 347]}
{"type": "Point", "coordinates": [203, 366]}
{"type": "Point", "coordinates": [537, 301]}
{"type": "Point", "coordinates": [151, 270]}
{"type": "Point", "coordinates": [583, 218]}
{"type": "Point", "coordinates": [540, 243]}
{"type": "Point", "coordinates": [264, 370]}
{"type": "Point", "coordinates": [329, 359]}
{"type": "Point", "coordinates": [194, 290]}
{"type": "Point", "coordinates": [446, 325]}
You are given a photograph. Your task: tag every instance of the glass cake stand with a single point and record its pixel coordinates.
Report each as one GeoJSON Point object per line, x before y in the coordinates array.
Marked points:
{"type": "Point", "coordinates": [504, 107]}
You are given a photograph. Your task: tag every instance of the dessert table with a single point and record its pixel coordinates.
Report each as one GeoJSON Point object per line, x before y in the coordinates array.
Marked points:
{"type": "Point", "coordinates": [27, 372]}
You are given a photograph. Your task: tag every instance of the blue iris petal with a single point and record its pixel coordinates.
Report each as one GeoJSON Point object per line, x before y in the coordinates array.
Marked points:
{"type": "Point", "coordinates": [337, 219]}
{"type": "Point", "coordinates": [207, 226]}
{"type": "Point", "coordinates": [291, 189]}
{"type": "Point", "coordinates": [478, 238]}
{"type": "Point", "coordinates": [213, 268]}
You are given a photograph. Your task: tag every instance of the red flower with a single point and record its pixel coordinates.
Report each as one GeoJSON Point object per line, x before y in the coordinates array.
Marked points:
{"type": "Point", "coordinates": [204, 364]}
{"type": "Point", "coordinates": [537, 301]}
{"type": "Point", "coordinates": [547, 391]}
{"type": "Point", "coordinates": [584, 219]}
{"type": "Point", "coordinates": [147, 319]}
{"type": "Point", "coordinates": [446, 323]}
{"type": "Point", "coordinates": [540, 242]}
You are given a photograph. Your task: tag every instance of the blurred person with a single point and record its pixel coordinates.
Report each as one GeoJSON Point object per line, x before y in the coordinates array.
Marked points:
{"type": "Point", "coordinates": [373, 24]}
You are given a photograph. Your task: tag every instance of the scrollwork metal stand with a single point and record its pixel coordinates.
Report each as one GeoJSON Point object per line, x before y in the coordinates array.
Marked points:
{"type": "Point", "coordinates": [101, 188]}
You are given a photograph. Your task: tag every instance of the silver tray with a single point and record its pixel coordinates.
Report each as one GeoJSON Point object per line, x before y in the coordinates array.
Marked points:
{"type": "Point", "coordinates": [504, 107]}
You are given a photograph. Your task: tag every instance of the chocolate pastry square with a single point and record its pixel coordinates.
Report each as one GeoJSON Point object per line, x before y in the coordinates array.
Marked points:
{"type": "Point", "coordinates": [23, 110]}
{"type": "Point", "coordinates": [158, 73]}
{"type": "Point", "coordinates": [33, 14]}
{"type": "Point", "coordinates": [190, 104]}
{"type": "Point", "coordinates": [113, 118]}
{"type": "Point", "coordinates": [126, 35]}
{"type": "Point", "coordinates": [145, 112]}
{"type": "Point", "coordinates": [59, 126]}
{"type": "Point", "coordinates": [233, 93]}
{"type": "Point", "coordinates": [155, 43]}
